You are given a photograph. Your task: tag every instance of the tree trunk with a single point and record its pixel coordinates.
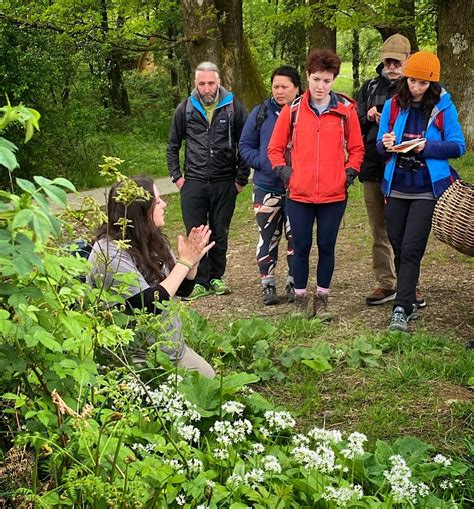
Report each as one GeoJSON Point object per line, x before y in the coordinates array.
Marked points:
{"type": "Point", "coordinates": [214, 32]}
{"type": "Point", "coordinates": [320, 34]}
{"type": "Point", "coordinates": [115, 85]}
{"type": "Point", "coordinates": [355, 62]}
{"type": "Point", "coordinates": [405, 12]}
{"type": "Point", "coordinates": [456, 52]}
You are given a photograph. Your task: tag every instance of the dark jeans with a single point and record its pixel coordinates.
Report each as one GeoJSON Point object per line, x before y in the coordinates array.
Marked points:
{"type": "Point", "coordinates": [210, 203]}
{"type": "Point", "coordinates": [408, 228]}
{"type": "Point", "coordinates": [328, 217]}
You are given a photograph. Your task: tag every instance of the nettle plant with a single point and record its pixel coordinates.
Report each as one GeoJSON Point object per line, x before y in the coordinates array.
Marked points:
{"type": "Point", "coordinates": [83, 428]}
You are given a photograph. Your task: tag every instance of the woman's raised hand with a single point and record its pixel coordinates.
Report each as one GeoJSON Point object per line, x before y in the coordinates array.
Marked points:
{"type": "Point", "coordinates": [193, 248]}
{"type": "Point", "coordinates": [388, 139]}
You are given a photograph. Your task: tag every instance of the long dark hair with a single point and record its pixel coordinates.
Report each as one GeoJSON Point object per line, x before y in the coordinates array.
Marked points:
{"type": "Point", "coordinates": [430, 97]}
{"type": "Point", "coordinates": [149, 248]}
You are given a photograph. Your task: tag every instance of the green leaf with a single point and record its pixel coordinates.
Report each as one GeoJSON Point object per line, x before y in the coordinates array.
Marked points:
{"type": "Point", "coordinates": [8, 159]}
{"type": "Point", "coordinates": [26, 185]}
{"type": "Point", "coordinates": [47, 339]}
{"type": "Point", "coordinates": [22, 218]}
{"type": "Point", "coordinates": [318, 364]}
{"type": "Point", "coordinates": [56, 194]}
{"type": "Point", "coordinates": [41, 225]}
{"type": "Point", "coordinates": [60, 181]}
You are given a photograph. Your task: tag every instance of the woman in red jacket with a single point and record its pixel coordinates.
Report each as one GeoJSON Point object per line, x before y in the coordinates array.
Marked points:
{"type": "Point", "coordinates": [323, 133]}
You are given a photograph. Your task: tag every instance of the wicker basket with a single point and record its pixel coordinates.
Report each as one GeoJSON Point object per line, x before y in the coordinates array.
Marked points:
{"type": "Point", "coordinates": [453, 218]}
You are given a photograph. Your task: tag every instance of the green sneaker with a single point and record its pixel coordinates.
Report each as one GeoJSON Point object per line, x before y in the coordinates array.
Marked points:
{"type": "Point", "coordinates": [198, 292]}
{"type": "Point", "coordinates": [219, 287]}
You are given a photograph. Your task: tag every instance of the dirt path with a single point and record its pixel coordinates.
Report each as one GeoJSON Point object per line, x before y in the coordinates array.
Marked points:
{"type": "Point", "coordinates": [447, 282]}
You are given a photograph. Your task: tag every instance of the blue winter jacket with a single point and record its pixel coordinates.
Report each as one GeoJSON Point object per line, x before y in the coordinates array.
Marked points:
{"type": "Point", "coordinates": [439, 146]}
{"type": "Point", "coordinates": [253, 147]}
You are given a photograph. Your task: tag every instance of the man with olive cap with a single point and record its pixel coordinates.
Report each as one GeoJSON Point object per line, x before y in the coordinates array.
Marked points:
{"type": "Point", "coordinates": [395, 51]}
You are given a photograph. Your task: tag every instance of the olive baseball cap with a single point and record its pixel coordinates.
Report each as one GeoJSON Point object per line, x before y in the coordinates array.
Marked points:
{"type": "Point", "coordinates": [397, 47]}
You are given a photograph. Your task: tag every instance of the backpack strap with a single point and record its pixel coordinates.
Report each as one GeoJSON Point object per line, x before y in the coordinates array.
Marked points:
{"type": "Point", "coordinates": [294, 115]}
{"type": "Point", "coordinates": [394, 109]}
{"type": "Point", "coordinates": [261, 116]}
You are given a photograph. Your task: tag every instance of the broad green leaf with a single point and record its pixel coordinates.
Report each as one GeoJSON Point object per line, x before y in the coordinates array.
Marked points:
{"type": "Point", "coordinates": [8, 159]}
{"type": "Point", "coordinates": [60, 181]}
{"type": "Point", "coordinates": [47, 339]}
{"type": "Point", "coordinates": [26, 185]}
{"type": "Point", "coordinates": [41, 225]}
{"type": "Point", "coordinates": [7, 144]}
{"type": "Point", "coordinates": [56, 194]}
{"type": "Point", "coordinates": [22, 218]}
{"type": "Point", "coordinates": [318, 364]}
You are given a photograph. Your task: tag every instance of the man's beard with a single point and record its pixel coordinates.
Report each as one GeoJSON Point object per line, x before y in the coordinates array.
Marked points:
{"type": "Point", "coordinates": [209, 99]}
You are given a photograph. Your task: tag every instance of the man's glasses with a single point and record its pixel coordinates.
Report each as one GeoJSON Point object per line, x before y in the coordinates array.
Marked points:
{"type": "Point", "coordinates": [391, 61]}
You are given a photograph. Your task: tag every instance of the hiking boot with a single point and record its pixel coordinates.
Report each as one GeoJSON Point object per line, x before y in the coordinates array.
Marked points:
{"type": "Point", "coordinates": [290, 292]}
{"type": "Point", "coordinates": [301, 306]}
{"type": "Point", "coordinates": [219, 287]}
{"type": "Point", "coordinates": [270, 296]}
{"type": "Point", "coordinates": [380, 296]}
{"type": "Point", "coordinates": [419, 300]}
{"type": "Point", "coordinates": [198, 292]}
{"type": "Point", "coordinates": [320, 307]}
{"type": "Point", "coordinates": [400, 319]}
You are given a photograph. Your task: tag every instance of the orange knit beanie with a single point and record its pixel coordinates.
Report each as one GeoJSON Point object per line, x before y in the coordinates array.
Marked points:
{"type": "Point", "coordinates": [423, 65]}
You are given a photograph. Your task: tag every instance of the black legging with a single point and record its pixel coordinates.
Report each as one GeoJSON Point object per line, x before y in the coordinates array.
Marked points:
{"type": "Point", "coordinates": [408, 228]}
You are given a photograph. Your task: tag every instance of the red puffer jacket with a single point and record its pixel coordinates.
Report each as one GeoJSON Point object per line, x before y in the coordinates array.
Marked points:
{"type": "Point", "coordinates": [318, 156]}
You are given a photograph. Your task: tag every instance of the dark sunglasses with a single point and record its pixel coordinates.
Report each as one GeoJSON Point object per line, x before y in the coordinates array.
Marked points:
{"type": "Point", "coordinates": [391, 61]}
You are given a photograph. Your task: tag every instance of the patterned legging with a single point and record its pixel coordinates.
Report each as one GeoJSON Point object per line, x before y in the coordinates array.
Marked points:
{"type": "Point", "coordinates": [272, 221]}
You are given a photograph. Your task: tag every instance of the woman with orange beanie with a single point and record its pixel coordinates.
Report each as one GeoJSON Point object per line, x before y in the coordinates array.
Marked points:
{"type": "Point", "coordinates": [414, 180]}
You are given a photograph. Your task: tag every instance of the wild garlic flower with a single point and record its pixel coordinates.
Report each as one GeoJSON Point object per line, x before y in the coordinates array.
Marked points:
{"type": "Point", "coordinates": [300, 439]}
{"type": "Point", "coordinates": [256, 448]}
{"type": "Point", "coordinates": [194, 465]}
{"type": "Point", "coordinates": [235, 480]}
{"type": "Point", "coordinates": [330, 436]}
{"type": "Point", "coordinates": [355, 445]}
{"type": "Point", "coordinates": [423, 489]}
{"type": "Point", "coordinates": [271, 464]}
{"type": "Point", "coordinates": [442, 460]}
{"type": "Point", "coordinates": [233, 407]}
{"type": "Point", "coordinates": [175, 465]}
{"type": "Point", "coordinates": [445, 484]}
{"type": "Point", "coordinates": [321, 459]}
{"type": "Point", "coordinates": [279, 421]}
{"type": "Point", "coordinates": [188, 432]}
{"type": "Point", "coordinates": [254, 477]}
{"type": "Point", "coordinates": [143, 449]}
{"type": "Point", "coordinates": [220, 453]}
{"type": "Point", "coordinates": [399, 479]}
{"type": "Point", "coordinates": [229, 433]}
{"type": "Point", "coordinates": [210, 484]}
{"type": "Point", "coordinates": [180, 500]}
{"type": "Point", "coordinates": [343, 495]}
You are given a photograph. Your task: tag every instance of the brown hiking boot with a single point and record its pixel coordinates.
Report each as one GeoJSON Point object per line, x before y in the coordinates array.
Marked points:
{"type": "Point", "coordinates": [301, 306]}
{"type": "Point", "coordinates": [380, 296]}
{"type": "Point", "coordinates": [320, 307]}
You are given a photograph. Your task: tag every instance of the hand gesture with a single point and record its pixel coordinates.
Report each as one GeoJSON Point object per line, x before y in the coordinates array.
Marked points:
{"type": "Point", "coordinates": [374, 115]}
{"type": "Point", "coordinates": [192, 249]}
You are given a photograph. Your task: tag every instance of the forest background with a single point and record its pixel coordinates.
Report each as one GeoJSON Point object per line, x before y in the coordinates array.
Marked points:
{"type": "Point", "coordinates": [106, 76]}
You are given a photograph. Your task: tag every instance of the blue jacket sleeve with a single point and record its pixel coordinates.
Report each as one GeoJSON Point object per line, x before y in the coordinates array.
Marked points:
{"type": "Point", "coordinates": [249, 145]}
{"type": "Point", "coordinates": [453, 144]}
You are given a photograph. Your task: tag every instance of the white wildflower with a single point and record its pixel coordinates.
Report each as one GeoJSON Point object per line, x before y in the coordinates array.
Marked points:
{"type": "Point", "coordinates": [180, 500]}
{"type": "Point", "coordinates": [442, 460]}
{"type": "Point", "coordinates": [194, 465]}
{"type": "Point", "coordinates": [221, 454]}
{"type": "Point", "coordinates": [271, 464]}
{"type": "Point", "coordinates": [423, 489]}
{"type": "Point", "coordinates": [235, 480]}
{"type": "Point", "coordinates": [175, 465]}
{"type": "Point", "coordinates": [445, 484]}
{"type": "Point", "coordinates": [343, 495]}
{"type": "Point", "coordinates": [355, 445]}
{"type": "Point", "coordinates": [256, 448]}
{"type": "Point", "coordinates": [210, 484]}
{"type": "Point", "coordinates": [188, 432]}
{"type": "Point", "coordinates": [280, 421]}
{"type": "Point", "coordinates": [300, 439]}
{"type": "Point", "coordinates": [264, 432]}
{"type": "Point", "coordinates": [246, 390]}
{"type": "Point", "coordinates": [233, 407]}
{"type": "Point", "coordinates": [254, 477]}
{"type": "Point", "coordinates": [331, 436]}
{"type": "Point", "coordinates": [399, 478]}
{"type": "Point", "coordinates": [322, 458]}
{"type": "Point", "coordinates": [201, 506]}
{"type": "Point", "coordinates": [231, 432]}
